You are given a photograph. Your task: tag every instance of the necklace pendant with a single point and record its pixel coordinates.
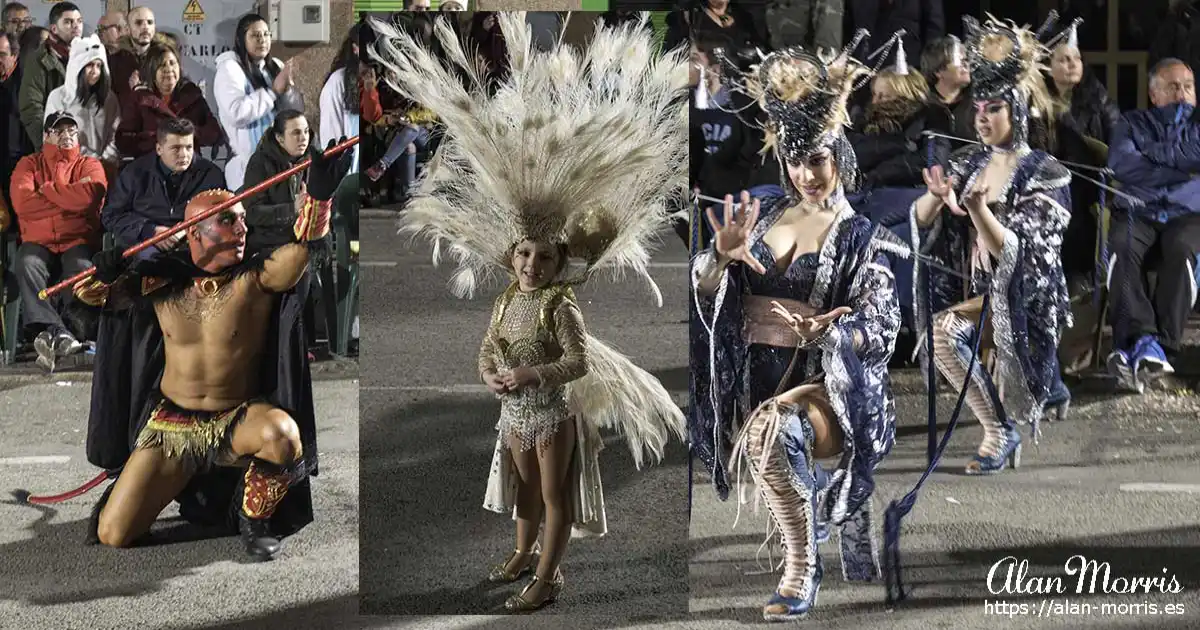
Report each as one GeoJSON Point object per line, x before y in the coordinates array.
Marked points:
{"type": "Point", "coordinates": [207, 287]}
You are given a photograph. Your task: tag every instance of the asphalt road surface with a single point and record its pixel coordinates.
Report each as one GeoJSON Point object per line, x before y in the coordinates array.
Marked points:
{"type": "Point", "coordinates": [429, 429]}
{"type": "Point", "coordinates": [49, 579]}
{"type": "Point", "coordinates": [1117, 482]}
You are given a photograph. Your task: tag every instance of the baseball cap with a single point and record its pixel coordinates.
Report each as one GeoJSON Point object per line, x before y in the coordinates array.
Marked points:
{"type": "Point", "coordinates": [57, 118]}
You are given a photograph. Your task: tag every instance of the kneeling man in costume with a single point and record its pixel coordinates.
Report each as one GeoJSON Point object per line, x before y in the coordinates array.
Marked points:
{"type": "Point", "coordinates": [202, 372]}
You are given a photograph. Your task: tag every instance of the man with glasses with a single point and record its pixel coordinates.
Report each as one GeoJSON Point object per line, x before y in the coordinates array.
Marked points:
{"type": "Point", "coordinates": [57, 194]}
{"type": "Point", "coordinates": [16, 19]}
{"type": "Point", "coordinates": [46, 70]}
{"type": "Point", "coordinates": [1155, 154]}
{"type": "Point", "coordinates": [111, 29]}
{"type": "Point", "coordinates": [125, 62]}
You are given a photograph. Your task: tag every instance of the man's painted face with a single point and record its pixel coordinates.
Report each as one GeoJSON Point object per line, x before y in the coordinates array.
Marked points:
{"type": "Point", "coordinates": [219, 242]}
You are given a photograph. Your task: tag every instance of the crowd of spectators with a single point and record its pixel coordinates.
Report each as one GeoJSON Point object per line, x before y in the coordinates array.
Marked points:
{"type": "Point", "coordinates": [1150, 153]}
{"type": "Point", "coordinates": [106, 139]}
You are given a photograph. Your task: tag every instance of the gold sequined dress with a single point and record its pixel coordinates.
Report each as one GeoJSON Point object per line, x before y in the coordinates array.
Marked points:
{"type": "Point", "coordinates": [542, 330]}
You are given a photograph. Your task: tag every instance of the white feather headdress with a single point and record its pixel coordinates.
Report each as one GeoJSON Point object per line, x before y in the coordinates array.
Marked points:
{"type": "Point", "coordinates": [578, 147]}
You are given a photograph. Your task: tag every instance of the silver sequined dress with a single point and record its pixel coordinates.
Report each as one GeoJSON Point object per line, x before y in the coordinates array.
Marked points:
{"type": "Point", "coordinates": [544, 330]}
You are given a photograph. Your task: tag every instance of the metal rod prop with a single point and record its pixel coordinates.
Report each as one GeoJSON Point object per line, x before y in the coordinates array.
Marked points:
{"type": "Point", "coordinates": [200, 218]}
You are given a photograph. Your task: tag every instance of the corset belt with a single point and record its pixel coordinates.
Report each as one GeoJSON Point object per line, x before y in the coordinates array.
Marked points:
{"type": "Point", "coordinates": [762, 326]}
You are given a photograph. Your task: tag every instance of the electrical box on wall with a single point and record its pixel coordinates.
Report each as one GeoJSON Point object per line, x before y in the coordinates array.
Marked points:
{"type": "Point", "coordinates": [299, 21]}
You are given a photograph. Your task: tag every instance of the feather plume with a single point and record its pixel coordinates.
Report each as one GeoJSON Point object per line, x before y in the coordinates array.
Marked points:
{"type": "Point", "coordinates": [618, 395]}
{"type": "Point", "coordinates": [577, 146]}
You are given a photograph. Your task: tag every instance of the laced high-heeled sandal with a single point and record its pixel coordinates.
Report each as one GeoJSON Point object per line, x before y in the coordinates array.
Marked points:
{"type": "Point", "coordinates": [501, 574]}
{"type": "Point", "coordinates": [520, 603]}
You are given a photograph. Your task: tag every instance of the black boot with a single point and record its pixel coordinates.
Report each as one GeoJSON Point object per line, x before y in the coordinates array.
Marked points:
{"type": "Point", "coordinates": [263, 488]}
{"type": "Point", "coordinates": [256, 535]}
{"type": "Point", "coordinates": [93, 532]}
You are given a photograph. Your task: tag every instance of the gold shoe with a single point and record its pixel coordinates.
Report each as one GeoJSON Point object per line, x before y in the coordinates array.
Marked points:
{"type": "Point", "coordinates": [501, 574]}
{"type": "Point", "coordinates": [518, 603]}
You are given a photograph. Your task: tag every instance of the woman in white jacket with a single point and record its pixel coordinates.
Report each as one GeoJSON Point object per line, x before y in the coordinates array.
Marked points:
{"type": "Point", "coordinates": [341, 97]}
{"type": "Point", "coordinates": [87, 95]}
{"type": "Point", "coordinates": [250, 86]}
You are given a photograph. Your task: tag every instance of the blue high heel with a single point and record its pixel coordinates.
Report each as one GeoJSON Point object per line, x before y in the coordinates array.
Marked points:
{"type": "Point", "coordinates": [1058, 403]}
{"type": "Point", "coordinates": [1011, 455]}
{"type": "Point", "coordinates": [796, 607]}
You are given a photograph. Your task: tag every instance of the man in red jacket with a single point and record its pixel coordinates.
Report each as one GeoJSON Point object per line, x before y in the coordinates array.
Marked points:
{"type": "Point", "coordinates": [57, 195]}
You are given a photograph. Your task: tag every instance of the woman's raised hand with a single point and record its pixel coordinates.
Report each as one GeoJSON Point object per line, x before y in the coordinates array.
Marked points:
{"type": "Point", "coordinates": [732, 237]}
{"type": "Point", "coordinates": [941, 186]}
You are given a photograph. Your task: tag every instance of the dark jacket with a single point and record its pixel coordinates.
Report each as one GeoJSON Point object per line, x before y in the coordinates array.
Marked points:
{"type": "Point", "coordinates": [1092, 115]}
{"type": "Point", "coordinates": [724, 150]}
{"type": "Point", "coordinates": [1154, 154]}
{"type": "Point", "coordinates": [1079, 134]}
{"type": "Point", "coordinates": [142, 110]}
{"type": "Point", "coordinates": [746, 33]}
{"type": "Point", "coordinates": [888, 145]}
{"type": "Point", "coordinates": [41, 74]}
{"type": "Point", "coordinates": [271, 214]}
{"type": "Point", "coordinates": [12, 132]}
{"type": "Point", "coordinates": [121, 65]}
{"type": "Point", "coordinates": [953, 119]}
{"type": "Point", "coordinates": [923, 21]}
{"type": "Point", "coordinates": [145, 196]}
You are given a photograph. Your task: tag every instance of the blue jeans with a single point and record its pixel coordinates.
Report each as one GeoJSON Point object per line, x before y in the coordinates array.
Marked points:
{"type": "Point", "coordinates": [412, 134]}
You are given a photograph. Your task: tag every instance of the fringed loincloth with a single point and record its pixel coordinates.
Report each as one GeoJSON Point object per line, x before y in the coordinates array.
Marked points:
{"type": "Point", "coordinates": [201, 438]}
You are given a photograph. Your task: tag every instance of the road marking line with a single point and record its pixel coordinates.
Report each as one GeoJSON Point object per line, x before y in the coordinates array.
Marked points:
{"type": "Point", "coordinates": [38, 459]}
{"type": "Point", "coordinates": [1190, 488]}
{"type": "Point", "coordinates": [379, 263]}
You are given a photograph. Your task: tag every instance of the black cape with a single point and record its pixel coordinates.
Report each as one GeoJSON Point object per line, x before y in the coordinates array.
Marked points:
{"type": "Point", "coordinates": [129, 366]}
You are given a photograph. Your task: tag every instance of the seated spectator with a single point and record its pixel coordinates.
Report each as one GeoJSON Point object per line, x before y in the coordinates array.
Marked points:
{"type": "Point", "coordinates": [887, 138]}
{"type": "Point", "coordinates": [725, 150]}
{"type": "Point", "coordinates": [152, 192]}
{"type": "Point", "coordinates": [163, 93]}
{"type": "Point", "coordinates": [45, 69]}
{"type": "Point", "coordinates": [57, 195]}
{"type": "Point", "coordinates": [486, 38]}
{"type": "Point", "coordinates": [128, 60]}
{"type": "Point", "coordinates": [111, 29]}
{"type": "Point", "coordinates": [1155, 154]}
{"type": "Point", "coordinates": [951, 111]}
{"type": "Point", "coordinates": [271, 214]}
{"type": "Point", "coordinates": [12, 132]}
{"type": "Point", "coordinates": [86, 94]}
{"type": "Point", "coordinates": [341, 97]}
{"type": "Point", "coordinates": [716, 20]}
{"type": "Point", "coordinates": [250, 86]}
{"type": "Point", "coordinates": [1084, 118]}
